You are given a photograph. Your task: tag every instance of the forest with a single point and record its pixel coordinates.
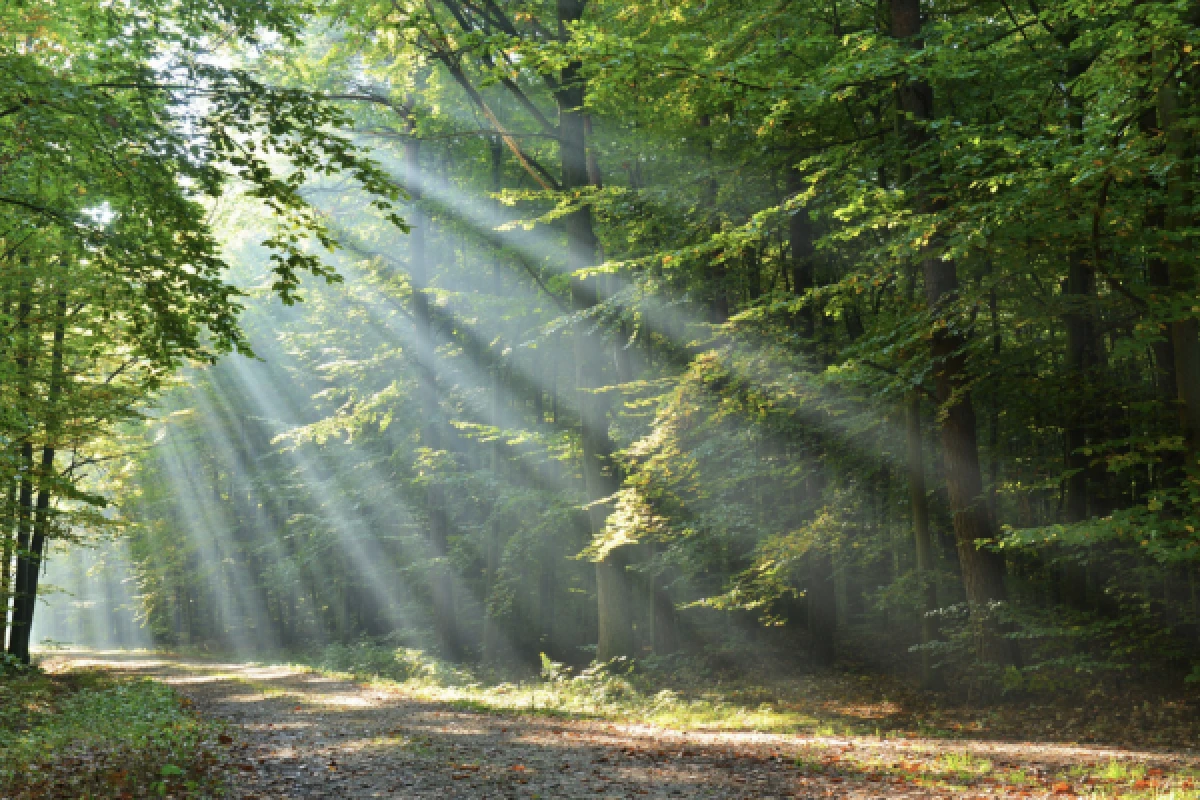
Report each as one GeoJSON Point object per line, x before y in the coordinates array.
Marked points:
{"type": "Point", "coordinates": [648, 347]}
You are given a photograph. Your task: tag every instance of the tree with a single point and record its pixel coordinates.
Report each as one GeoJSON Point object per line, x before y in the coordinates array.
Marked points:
{"type": "Point", "coordinates": [113, 135]}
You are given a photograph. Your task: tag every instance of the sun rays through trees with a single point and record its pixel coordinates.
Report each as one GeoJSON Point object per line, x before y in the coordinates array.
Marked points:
{"type": "Point", "coordinates": [772, 335]}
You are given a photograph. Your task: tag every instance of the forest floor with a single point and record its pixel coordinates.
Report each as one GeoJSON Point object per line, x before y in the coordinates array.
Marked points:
{"type": "Point", "coordinates": [296, 733]}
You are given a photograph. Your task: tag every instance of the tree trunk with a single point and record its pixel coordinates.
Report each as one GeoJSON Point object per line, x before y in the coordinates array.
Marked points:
{"type": "Point", "coordinates": [6, 560]}
{"type": "Point", "coordinates": [822, 607]}
{"type": "Point", "coordinates": [615, 635]}
{"type": "Point", "coordinates": [29, 564]}
{"type": "Point", "coordinates": [18, 638]}
{"type": "Point", "coordinates": [820, 588]}
{"type": "Point", "coordinates": [441, 585]}
{"type": "Point", "coordinates": [547, 605]}
{"type": "Point", "coordinates": [23, 618]}
{"type": "Point", "coordinates": [982, 569]}
{"type": "Point", "coordinates": [665, 623]}
{"type": "Point", "coordinates": [1077, 291]}
{"type": "Point", "coordinates": [1158, 275]}
{"type": "Point", "coordinates": [1184, 332]}
{"type": "Point", "coordinates": [926, 580]}
{"type": "Point", "coordinates": [821, 591]}
{"type": "Point", "coordinates": [1078, 323]}
{"type": "Point", "coordinates": [8, 533]}
{"type": "Point", "coordinates": [491, 625]}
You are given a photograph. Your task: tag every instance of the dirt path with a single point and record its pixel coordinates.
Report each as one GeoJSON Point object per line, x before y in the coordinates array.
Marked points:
{"type": "Point", "coordinates": [300, 735]}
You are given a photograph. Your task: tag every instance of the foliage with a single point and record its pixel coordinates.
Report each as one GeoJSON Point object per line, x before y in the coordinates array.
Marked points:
{"type": "Point", "coordinates": [121, 125]}
{"type": "Point", "coordinates": [84, 734]}
{"type": "Point", "coordinates": [676, 692]}
{"type": "Point", "coordinates": [707, 302]}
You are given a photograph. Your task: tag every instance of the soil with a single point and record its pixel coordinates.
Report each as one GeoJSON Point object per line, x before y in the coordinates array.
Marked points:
{"type": "Point", "coordinates": [296, 734]}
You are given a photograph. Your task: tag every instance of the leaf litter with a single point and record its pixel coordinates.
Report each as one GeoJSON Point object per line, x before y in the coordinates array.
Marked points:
{"type": "Point", "coordinates": [299, 734]}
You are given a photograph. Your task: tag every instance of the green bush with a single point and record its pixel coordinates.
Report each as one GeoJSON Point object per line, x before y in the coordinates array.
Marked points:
{"type": "Point", "coordinates": [366, 659]}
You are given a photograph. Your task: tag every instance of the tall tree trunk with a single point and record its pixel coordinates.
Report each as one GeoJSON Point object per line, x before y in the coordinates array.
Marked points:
{"type": "Point", "coordinates": [8, 534]}
{"type": "Point", "coordinates": [18, 639]}
{"type": "Point", "coordinates": [615, 636]}
{"type": "Point", "coordinates": [982, 569]}
{"type": "Point", "coordinates": [23, 620]}
{"type": "Point", "coordinates": [664, 621]}
{"type": "Point", "coordinates": [1078, 291]}
{"type": "Point", "coordinates": [653, 599]}
{"type": "Point", "coordinates": [24, 343]}
{"type": "Point", "coordinates": [822, 607]}
{"type": "Point", "coordinates": [491, 625]}
{"type": "Point", "coordinates": [994, 421]}
{"type": "Point", "coordinates": [441, 583]}
{"type": "Point", "coordinates": [819, 579]}
{"type": "Point", "coordinates": [547, 591]}
{"type": "Point", "coordinates": [820, 588]}
{"type": "Point", "coordinates": [919, 502]}
{"type": "Point", "coordinates": [6, 560]}
{"type": "Point", "coordinates": [1158, 275]}
{"type": "Point", "coordinates": [1184, 332]}
{"type": "Point", "coordinates": [29, 563]}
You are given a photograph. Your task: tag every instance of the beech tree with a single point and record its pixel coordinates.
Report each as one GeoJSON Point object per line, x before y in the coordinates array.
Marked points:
{"type": "Point", "coordinates": [811, 327]}
{"type": "Point", "coordinates": [116, 127]}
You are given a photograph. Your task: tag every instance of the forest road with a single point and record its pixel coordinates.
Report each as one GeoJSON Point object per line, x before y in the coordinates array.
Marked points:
{"type": "Point", "coordinates": [303, 735]}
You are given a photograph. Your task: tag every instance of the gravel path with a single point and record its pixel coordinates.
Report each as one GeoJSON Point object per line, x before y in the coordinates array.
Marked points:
{"type": "Point", "coordinates": [301, 735]}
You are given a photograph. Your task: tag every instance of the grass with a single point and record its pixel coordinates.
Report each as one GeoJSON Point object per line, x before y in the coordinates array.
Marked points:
{"type": "Point", "coordinates": [86, 734]}
{"type": "Point", "coordinates": [680, 695]}
{"type": "Point", "coordinates": [691, 692]}
{"type": "Point", "coordinates": [964, 765]}
{"type": "Point", "coordinates": [614, 691]}
{"type": "Point", "coordinates": [676, 693]}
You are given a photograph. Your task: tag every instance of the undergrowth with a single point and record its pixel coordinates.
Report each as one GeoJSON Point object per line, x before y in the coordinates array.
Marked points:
{"type": "Point", "coordinates": [85, 734]}
{"type": "Point", "coordinates": [689, 692]}
{"type": "Point", "coordinates": [676, 692]}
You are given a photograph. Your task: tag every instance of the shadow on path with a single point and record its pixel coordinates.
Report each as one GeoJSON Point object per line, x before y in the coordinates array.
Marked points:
{"type": "Point", "coordinates": [303, 735]}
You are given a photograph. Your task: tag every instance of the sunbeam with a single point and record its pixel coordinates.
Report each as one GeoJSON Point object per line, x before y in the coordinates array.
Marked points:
{"type": "Point", "coordinates": [473, 398]}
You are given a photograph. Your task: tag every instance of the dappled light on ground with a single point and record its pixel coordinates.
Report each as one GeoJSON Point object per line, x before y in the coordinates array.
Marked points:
{"type": "Point", "coordinates": [298, 735]}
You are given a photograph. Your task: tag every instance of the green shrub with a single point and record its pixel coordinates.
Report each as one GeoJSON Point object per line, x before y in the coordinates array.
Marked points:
{"type": "Point", "coordinates": [368, 660]}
